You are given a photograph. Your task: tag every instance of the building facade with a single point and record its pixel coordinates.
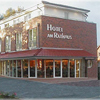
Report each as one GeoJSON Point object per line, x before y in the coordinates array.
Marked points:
{"type": "Point", "coordinates": [48, 41]}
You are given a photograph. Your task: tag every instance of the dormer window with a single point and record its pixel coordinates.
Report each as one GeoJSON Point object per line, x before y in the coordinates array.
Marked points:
{"type": "Point", "coordinates": [27, 17]}
{"type": "Point", "coordinates": [6, 25]}
{"type": "Point", "coordinates": [66, 15]}
{"type": "Point", "coordinates": [16, 21]}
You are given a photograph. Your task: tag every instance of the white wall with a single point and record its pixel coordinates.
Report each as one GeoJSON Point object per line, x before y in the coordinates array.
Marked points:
{"type": "Point", "coordinates": [60, 13]}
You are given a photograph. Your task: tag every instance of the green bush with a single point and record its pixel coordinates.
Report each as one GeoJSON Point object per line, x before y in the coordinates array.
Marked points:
{"type": "Point", "coordinates": [7, 95]}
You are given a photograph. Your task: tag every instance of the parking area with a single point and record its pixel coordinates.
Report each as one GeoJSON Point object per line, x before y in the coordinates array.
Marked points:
{"type": "Point", "coordinates": [29, 88]}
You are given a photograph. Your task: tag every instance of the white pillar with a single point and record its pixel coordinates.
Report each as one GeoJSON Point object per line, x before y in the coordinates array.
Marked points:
{"type": "Point", "coordinates": [61, 67]}
{"type": "Point", "coordinates": [28, 68]}
{"type": "Point", "coordinates": [16, 69]}
{"type": "Point", "coordinates": [44, 68]}
{"type": "Point", "coordinates": [69, 68]}
{"type": "Point", "coordinates": [21, 69]}
{"type": "Point", "coordinates": [36, 64]}
{"type": "Point", "coordinates": [53, 68]}
{"type": "Point", "coordinates": [75, 68]}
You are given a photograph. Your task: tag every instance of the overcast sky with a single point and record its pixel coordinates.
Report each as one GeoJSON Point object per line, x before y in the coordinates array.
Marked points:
{"type": "Point", "coordinates": [92, 5]}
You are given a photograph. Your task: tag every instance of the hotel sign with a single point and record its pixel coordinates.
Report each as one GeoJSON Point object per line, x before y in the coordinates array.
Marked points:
{"type": "Point", "coordinates": [58, 32]}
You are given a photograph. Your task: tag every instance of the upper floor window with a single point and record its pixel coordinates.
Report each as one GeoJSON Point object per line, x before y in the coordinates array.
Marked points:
{"type": "Point", "coordinates": [32, 38]}
{"type": "Point", "coordinates": [66, 15]}
{"type": "Point", "coordinates": [19, 41]}
{"type": "Point", "coordinates": [16, 21]}
{"type": "Point", "coordinates": [0, 45]}
{"type": "Point", "coordinates": [8, 43]}
{"type": "Point", "coordinates": [6, 25]}
{"type": "Point", "coordinates": [99, 54]}
{"type": "Point", "coordinates": [27, 17]}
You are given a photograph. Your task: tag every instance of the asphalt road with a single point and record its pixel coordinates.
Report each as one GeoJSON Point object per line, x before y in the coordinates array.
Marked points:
{"type": "Point", "coordinates": [32, 89]}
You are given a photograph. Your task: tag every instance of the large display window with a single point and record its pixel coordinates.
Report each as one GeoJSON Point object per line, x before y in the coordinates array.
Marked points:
{"type": "Point", "coordinates": [32, 68]}
{"type": "Point", "coordinates": [49, 68]}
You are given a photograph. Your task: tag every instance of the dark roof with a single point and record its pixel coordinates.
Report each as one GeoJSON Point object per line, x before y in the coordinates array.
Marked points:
{"type": "Point", "coordinates": [45, 2]}
{"type": "Point", "coordinates": [47, 53]}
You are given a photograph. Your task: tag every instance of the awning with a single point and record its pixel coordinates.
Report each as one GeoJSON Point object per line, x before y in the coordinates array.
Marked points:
{"type": "Point", "coordinates": [47, 53]}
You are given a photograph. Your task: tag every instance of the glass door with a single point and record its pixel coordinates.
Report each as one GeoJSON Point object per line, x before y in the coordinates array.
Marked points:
{"type": "Point", "coordinates": [32, 68]}
{"type": "Point", "coordinates": [49, 68]}
{"type": "Point", "coordinates": [64, 68]}
{"type": "Point", "coordinates": [58, 68]}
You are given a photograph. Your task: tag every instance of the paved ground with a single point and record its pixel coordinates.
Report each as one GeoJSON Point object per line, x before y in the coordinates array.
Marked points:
{"type": "Point", "coordinates": [34, 89]}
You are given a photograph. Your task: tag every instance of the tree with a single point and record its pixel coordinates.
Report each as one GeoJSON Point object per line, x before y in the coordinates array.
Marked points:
{"type": "Point", "coordinates": [9, 12]}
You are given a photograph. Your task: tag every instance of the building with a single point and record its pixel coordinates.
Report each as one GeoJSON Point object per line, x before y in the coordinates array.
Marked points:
{"type": "Point", "coordinates": [98, 55]}
{"type": "Point", "coordinates": [48, 41]}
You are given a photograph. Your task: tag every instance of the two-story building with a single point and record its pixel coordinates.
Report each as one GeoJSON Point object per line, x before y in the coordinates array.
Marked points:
{"type": "Point", "coordinates": [48, 41]}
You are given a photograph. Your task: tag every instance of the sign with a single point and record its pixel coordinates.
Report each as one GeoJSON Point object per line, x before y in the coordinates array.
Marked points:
{"type": "Point", "coordinates": [58, 32]}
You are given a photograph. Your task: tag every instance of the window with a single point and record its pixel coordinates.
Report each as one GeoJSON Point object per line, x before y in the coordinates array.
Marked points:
{"type": "Point", "coordinates": [18, 41]}
{"type": "Point", "coordinates": [32, 38]}
{"type": "Point", "coordinates": [99, 54]}
{"type": "Point", "coordinates": [27, 17]}
{"type": "Point", "coordinates": [66, 15]}
{"type": "Point", "coordinates": [8, 43]}
{"type": "Point", "coordinates": [0, 45]}
{"type": "Point", "coordinates": [89, 63]}
{"type": "Point", "coordinates": [16, 21]}
{"type": "Point", "coordinates": [6, 25]}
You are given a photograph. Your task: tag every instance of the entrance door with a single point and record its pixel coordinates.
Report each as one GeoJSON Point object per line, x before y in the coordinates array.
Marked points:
{"type": "Point", "coordinates": [58, 68]}
{"type": "Point", "coordinates": [64, 68]}
{"type": "Point", "coordinates": [32, 68]}
{"type": "Point", "coordinates": [49, 68]}
{"type": "Point", "coordinates": [40, 68]}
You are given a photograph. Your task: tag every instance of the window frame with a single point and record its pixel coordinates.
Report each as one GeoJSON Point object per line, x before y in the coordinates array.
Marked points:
{"type": "Point", "coordinates": [19, 42]}
{"type": "Point", "coordinates": [9, 44]}
{"type": "Point", "coordinates": [0, 44]}
{"type": "Point", "coordinates": [30, 47]}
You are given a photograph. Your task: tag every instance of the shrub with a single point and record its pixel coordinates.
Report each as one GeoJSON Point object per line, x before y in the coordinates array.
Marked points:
{"type": "Point", "coordinates": [7, 95]}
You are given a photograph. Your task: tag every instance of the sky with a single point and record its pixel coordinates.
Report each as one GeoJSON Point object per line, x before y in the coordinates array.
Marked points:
{"type": "Point", "coordinates": [92, 5]}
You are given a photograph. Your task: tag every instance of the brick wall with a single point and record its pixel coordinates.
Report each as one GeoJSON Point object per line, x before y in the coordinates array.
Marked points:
{"type": "Point", "coordinates": [19, 28]}
{"type": "Point", "coordinates": [83, 37]}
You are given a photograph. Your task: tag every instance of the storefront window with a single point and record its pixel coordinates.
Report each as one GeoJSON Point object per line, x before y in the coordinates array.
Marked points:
{"type": "Point", "coordinates": [7, 68]}
{"type": "Point", "coordinates": [11, 68]}
{"type": "Point", "coordinates": [64, 68]}
{"type": "Point", "coordinates": [40, 69]}
{"type": "Point", "coordinates": [49, 68]}
{"type": "Point", "coordinates": [32, 68]}
{"type": "Point", "coordinates": [14, 69]}
{"type": "Point", "coordinates": [32, 38]}
{"type": "Point", "coordinates": [25, 68]}
{"type": "Point", "coordinates": [72, 68]}
{"type": "Point", "coordinates": [19, 68]}
{"type": "Point", "coordinates": [57, 68]}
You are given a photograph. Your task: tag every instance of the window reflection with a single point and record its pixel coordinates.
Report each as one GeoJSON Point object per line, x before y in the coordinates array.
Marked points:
{"type": "Point", "coordinates": [19, 68]}
{"type": "Point", "coordinates": [65, 68]}
{"type": "Point", "coordinates": [32, 68]}
{"type": "Point", "coordinates": [40, 69]}
{"type": "Point", "coordinates": [49, 68]}
{"type": "Point", "coordinates": [57, 68]}
{"type": "Point", "coordinates": [25, 68]}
